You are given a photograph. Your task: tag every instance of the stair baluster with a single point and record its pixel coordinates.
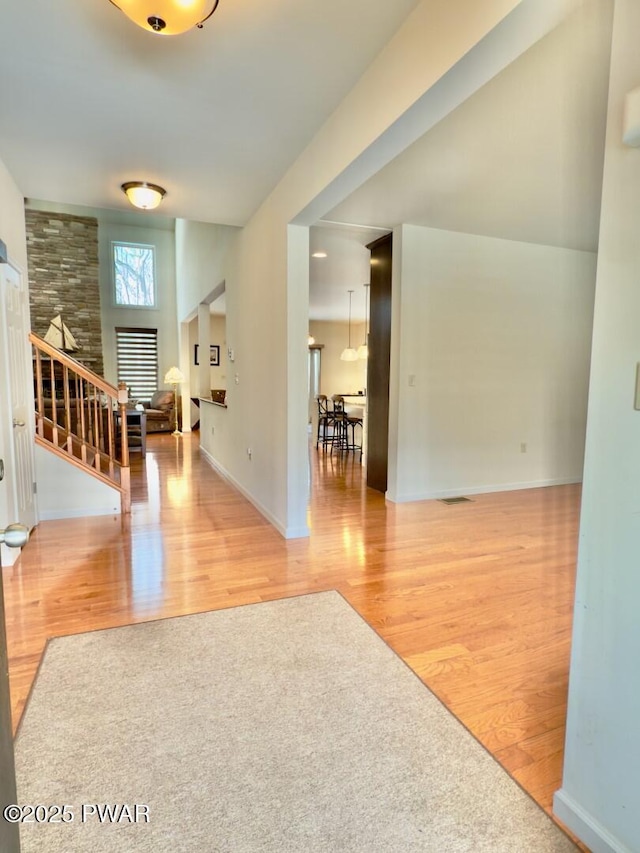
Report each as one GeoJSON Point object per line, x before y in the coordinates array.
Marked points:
{"type": "Point", "coordinates": [77, 417]}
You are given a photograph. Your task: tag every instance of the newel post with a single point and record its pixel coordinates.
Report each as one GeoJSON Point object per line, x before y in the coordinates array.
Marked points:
{"type": "Point", "coordinates": [123, 398]}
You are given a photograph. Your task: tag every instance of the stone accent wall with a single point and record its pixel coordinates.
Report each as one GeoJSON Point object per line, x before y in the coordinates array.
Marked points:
{"type": "Point", "coordinates": [63, 279]}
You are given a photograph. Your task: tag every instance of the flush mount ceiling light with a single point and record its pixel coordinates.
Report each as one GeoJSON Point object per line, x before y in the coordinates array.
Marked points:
{"type": "Point", "coordinates": [319, 255]}
{"type": "Point", "coordinates": [143, 195]}
{"type": "Point", "coordinates": [167, 17]}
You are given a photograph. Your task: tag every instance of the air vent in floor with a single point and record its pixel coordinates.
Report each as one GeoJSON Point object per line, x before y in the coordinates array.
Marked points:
{"type": "Point", "coordinates": [455, 500]}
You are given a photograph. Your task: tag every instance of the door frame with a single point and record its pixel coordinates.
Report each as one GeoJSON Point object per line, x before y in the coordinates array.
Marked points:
{"type": "Point", "coordinates": [8, 382]}
{"type": "Point", "coordinates": [9, 832]}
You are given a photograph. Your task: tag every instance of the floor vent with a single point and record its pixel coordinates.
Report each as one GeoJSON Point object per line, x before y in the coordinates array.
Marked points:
{"type": "Point", "coordinates": [455, 500]}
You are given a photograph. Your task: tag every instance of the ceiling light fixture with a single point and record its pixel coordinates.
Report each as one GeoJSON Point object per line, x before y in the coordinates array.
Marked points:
{"type": "Point", "coordinates": [349, 354]}
{"type": "Point", "coordinates": [167, 17]}
{"type": "Point", "coordinates": [319, 255]}
{"type": "Point", "coordinates": [143, 195]}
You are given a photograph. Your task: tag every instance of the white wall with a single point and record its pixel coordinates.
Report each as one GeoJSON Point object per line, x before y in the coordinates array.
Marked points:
{"type": "Point", "coordinates": [496, 337]}
{"type": "Point", "coordinates": [217, 375]}
{"type": "Point", "coordinates": [412, 85]}
{"type": "Point", "coordinates": [82, 494]}
{"type": "Point", "coordinates": [12, 232]}
{"type": "Point", "coordinates": [218, 442]}
{"type": "Point", "coordinates": [257, 330]}
{"type": "Point", "coordinates": [600, 797]}
{"type": "Point", "coordinates": [12, 227]}
{"type": "Point", "coordinates": [338, 376]}
{"type": "Point", "coordinates": [202, 251]}
{"type": "Point", "coordinates": [163, 317]}
{"type": "Point", "coordinates": [218, 337]}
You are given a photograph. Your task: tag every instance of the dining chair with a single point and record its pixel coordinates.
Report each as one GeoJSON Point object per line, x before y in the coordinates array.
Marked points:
{"type": "Point", "coordinates": [346, 424]}
{"type": "Point", "coordinates": [326, 423]}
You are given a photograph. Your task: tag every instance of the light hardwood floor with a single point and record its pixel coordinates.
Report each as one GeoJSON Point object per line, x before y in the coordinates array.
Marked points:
{"type": "Point", "coordinates": [476, 598]}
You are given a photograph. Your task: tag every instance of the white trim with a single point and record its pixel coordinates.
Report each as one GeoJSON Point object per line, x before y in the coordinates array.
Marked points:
{"type": "Point", "coordinates": [586, 827]}
{"type": "Point", "coordinates": [479, 490]}
{"type": "Point", "coordinates": [297, 532]}
{"type": "Point", "coordinates": [56, 515]}
{"type": "Point", "coordinates": [286, 532]}
{"type": "Point", "coordinates": [10, 452]}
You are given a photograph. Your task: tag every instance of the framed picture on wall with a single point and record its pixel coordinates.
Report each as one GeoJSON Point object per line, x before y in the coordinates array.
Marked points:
{"type": "Point", "coordinates": [214, 355]}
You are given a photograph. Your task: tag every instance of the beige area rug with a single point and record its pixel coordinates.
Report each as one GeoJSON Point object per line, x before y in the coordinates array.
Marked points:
{"type": "Point", "coordinates": [284, 726]}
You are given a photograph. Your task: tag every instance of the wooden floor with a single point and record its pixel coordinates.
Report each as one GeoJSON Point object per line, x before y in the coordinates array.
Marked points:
{"type": "Point", "coordinates": [476, 597]}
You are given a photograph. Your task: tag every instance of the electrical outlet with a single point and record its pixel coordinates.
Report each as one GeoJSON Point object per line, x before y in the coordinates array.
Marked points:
{"type": "Point", "coordinates": [213, 429]}
{"type": "Point", "coordinates": [523, 447]}
{"type": "Point", "coordinates": [412, 380]}
{"type": "Point", "coordinates": [249, 452]}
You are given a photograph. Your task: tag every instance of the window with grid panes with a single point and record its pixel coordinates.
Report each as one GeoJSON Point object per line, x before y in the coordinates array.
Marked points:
{"type": "Point", "coordinates": [134, 275]}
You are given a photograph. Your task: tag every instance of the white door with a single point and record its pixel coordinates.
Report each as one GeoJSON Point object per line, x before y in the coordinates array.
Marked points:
{"type": "Point", "coordinates": [19, 377]}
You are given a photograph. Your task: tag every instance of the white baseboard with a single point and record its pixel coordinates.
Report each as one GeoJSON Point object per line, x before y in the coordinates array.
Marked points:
{"type": "Point", "coordinates": [593, 834]}
{"type": "Point", "coordinates": [57, 515]}
{"type": "Point", "coordinates": [296, 532]}
{"type": "Point", "coordinates": [286, 532]}
{"type": "Point", "coordinates": [477, 490]}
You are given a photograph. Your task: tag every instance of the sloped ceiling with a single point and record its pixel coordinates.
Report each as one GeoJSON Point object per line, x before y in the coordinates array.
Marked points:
{"type": "Point", "coordinates": [521, 160]}
{"type": "Point", "coordinates": [88, 100]}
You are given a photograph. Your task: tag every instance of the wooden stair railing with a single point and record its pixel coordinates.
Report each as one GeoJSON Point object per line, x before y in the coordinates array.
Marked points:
{"type": "Point", "coordinates": [79, 417]}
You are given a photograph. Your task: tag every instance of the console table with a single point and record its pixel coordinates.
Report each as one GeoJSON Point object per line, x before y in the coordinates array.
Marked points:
{"type": "Point", "coordinates": [136, 430]}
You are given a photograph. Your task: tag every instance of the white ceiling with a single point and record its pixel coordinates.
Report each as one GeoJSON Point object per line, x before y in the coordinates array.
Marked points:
{"type": "Point", "coordinates": [345, 268]}
{"type": "Point", "coordinates": [88, 100]}
{"type": "Point", "coordinates": [521, 159]}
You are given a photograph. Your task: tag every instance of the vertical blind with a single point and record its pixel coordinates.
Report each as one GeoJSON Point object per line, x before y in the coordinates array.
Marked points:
{"type": "Point", "coordinates": [137, 352]}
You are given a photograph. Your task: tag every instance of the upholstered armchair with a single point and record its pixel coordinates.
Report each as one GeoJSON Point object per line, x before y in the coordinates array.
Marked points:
{"type": "Point", "coordinates": [159, 409]}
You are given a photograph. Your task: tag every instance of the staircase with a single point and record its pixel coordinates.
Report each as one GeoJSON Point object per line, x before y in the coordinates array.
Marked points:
{"type": "Point", "coordinates": [79, 417]}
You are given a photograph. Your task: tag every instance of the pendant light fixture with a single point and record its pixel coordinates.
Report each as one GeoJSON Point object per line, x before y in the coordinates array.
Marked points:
{"type": "Point", "coordinates": [363, 349]}
{"type": "Point", "coordinates": [349, 354]}
{"type": "Point", "coordinates": [167, 17]}
{"type": "Point", "coordinates": [143, 195]}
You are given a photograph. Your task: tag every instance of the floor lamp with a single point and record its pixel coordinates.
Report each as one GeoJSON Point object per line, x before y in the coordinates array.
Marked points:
{"type": "Point", "coordinates": [174, 377]}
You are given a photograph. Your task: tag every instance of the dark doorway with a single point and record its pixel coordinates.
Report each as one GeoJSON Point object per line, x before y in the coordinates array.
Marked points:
{"type": "Point", "coordinates": [379, 362]}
